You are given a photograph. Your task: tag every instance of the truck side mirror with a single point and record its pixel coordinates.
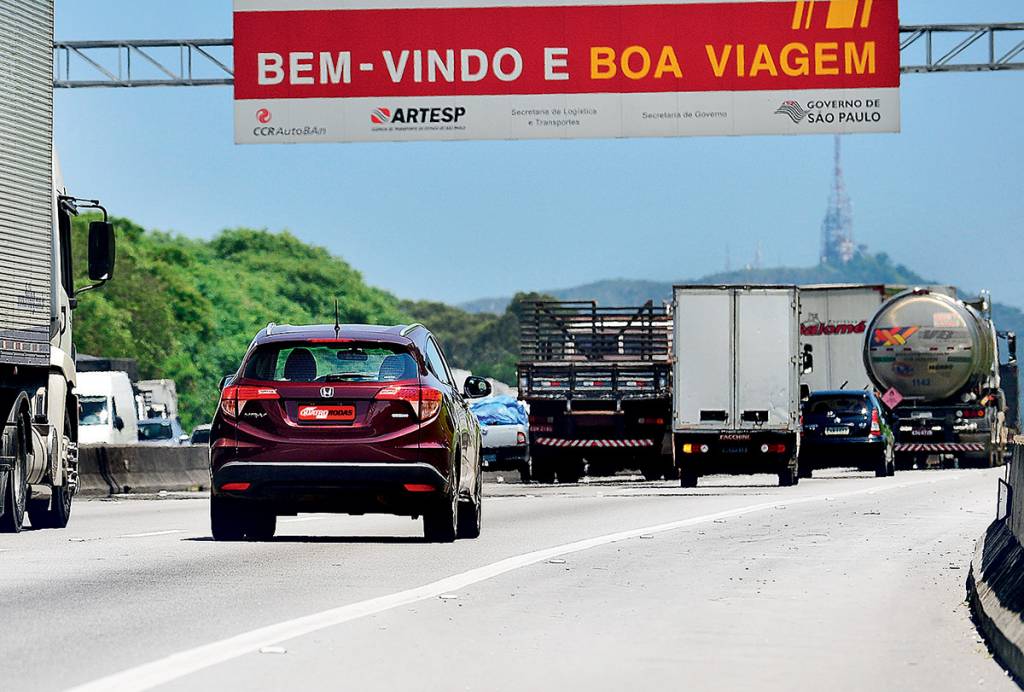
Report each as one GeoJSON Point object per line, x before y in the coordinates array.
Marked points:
{"type": "Point", "coordinates": [808, 359]}
{"type": "Point", "coordinates": [101, 250]}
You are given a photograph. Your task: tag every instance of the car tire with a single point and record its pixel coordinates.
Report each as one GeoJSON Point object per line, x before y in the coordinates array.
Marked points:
{"type": "Point", "coordinates": [15, 444]}
{"type": "Point", "coordinates": [891, 464]}
{"type": "Point", "coordinates": [525, 475]}
{"type": "Point", "coordinates": [227, 519]}
{"type": "Point", "coordinates": [882, 465]}
{"type": "Point", "coordinates": [260, 524]}
{"type": "Point", "coordinates": [471, 512]}
{"type": "Point", "coordinates": [441, 522]}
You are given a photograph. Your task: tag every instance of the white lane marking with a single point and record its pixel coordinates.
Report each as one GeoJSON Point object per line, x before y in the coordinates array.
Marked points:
{"type": "Point", "coordinates": [296, 520]}
{"type": "Point", "coordinates": [150, 533]}
{"type": "Point", "coordinates": [179, 665]}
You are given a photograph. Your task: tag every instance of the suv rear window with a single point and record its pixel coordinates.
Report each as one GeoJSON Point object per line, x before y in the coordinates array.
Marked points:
{"type": "Point", "coordinates": [305, 362]}
{"type": "Point", "coordinates": [837, 405]}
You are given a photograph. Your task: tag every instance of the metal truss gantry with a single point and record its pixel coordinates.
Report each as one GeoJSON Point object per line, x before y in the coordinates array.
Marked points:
{"type": "Point", "coordinates": [209, 62]}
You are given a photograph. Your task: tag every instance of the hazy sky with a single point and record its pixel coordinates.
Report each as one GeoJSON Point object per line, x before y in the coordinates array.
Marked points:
{"type": "Point", "coordinates": [459, 220]}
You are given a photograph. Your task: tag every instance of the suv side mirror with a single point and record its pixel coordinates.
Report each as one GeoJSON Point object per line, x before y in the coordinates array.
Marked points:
{"type": "Point", "coordinates": [101, 250]}
{"type": "Point", "coordinates": [226, 380]}
{"type": "Point", "coordinates": [808, 359]}
{"type": "Point", "coordinates": [476, 387]}
{"type": "Point", "coordinates": [119, 423]}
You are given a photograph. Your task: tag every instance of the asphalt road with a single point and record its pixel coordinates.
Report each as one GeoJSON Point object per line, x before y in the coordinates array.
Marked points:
{"type": "Point", "coordinates": [844, 583]}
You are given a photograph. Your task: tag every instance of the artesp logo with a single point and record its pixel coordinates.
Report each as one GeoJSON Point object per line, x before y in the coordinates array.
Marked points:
{"type": "Point", "coordinates": [794, 110]}
{"type": "Point", "coordinates": [417, 116]}
{"type": "Point", "coordinates": [380, 116]}
{"type": "Point", "coordinates": [263, 116]}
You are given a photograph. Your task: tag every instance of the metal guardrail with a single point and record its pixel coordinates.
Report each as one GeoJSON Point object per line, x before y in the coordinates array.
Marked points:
{"type": "Point", "coordinates": [209, 62]}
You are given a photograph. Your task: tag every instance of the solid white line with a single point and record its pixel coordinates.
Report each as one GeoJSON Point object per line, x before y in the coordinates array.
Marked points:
{"type": "Point", "coordinates": [150, 533]}
{"type": "Point", "coordinates": [176, 666]}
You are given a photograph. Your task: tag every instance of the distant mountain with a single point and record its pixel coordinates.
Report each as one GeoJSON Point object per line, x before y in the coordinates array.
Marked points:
{"type": "Point", "coordinates": [864, 268]}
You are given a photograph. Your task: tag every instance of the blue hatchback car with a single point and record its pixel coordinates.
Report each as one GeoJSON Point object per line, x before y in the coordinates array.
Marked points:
{"type": "Point", "coordinates": [846, 428]}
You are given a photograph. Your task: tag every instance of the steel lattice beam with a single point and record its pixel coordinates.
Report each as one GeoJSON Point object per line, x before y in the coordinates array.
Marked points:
{"type": "Point", "coordinates": [169, 62]}
{"type": "Point", "coordinates": [206, 62]}
{"type": "Point", "coordinates": [996, 47]}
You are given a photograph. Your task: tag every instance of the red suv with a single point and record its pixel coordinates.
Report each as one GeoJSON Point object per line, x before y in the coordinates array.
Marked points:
{"type": "Point", "coordinates": [352, 419]}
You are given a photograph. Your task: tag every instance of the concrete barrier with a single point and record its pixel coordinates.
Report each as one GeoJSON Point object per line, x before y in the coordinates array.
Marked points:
{"type": "Point", "coordinates": [995, 584]}
{"type": "Point", "coordinates": [111, 470]}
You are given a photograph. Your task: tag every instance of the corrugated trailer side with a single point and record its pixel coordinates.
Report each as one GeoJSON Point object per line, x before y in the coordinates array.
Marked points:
{"type": "Point", "coordinates": [26, 180]}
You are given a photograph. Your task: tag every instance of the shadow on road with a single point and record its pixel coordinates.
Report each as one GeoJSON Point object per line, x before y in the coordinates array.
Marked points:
{"type": "Point", "coordinates": [322, 539]}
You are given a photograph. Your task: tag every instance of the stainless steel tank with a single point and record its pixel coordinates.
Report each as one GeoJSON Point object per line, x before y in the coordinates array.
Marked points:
{"type": "Point", "coordinates": [929, 347]}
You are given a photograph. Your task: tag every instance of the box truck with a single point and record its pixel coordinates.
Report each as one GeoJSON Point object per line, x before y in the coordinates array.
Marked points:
{"type": "Point", "coordinates": [736, 381]}
{"type": "Point", "coordinates": [38, 405]}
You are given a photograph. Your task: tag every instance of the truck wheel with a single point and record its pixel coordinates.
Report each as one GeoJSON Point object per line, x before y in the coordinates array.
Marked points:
{"type": "Point", "coordinates": [904, 462]}
{"type": "Point", "coordinates": [805, 470]}
{"type": "Point", "coordinates": [15, 444]}
{"type": "Point", "coordinates": [55, 512]}
{"type": "Point", "coordinates": [260, 524]}
{"type": "Point", "coordinates": [651, 470]}
{"type": "Point", "coordinates": [788, 477]}
{"type": "Point", "coordinates": [687, 478]}
{"type": "Point", "coordinates": [227, 519]}
{"type": "Point", "coordinates": [441, 522]}
{"type": "Point", "coordinates": [543, 468]}
{"type": "Point", "coordinates": [570, 470]}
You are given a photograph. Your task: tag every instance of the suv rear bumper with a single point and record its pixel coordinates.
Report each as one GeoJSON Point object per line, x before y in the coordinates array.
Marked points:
{"type": "Point", "coordinates": [350, 487]}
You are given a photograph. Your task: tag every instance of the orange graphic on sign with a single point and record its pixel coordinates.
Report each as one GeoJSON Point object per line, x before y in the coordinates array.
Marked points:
{"type": "Point", "coordinates": [842, 14]}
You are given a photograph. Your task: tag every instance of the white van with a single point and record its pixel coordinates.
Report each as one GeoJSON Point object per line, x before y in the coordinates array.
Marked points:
{"type": "Point", "coordinates": [106, 403]}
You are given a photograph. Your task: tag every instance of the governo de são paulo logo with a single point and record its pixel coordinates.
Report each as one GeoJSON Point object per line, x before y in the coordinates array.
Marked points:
{"type": "Point", "coordinates": [263, 116]}
{"type": "Point", "coordinates": [792, 109]}
{"type": "Point", "coordinates": [380, 116]}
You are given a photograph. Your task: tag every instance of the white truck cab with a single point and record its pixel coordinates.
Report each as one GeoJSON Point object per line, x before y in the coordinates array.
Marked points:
{"type": "Point", "coordinates": [106, 403]}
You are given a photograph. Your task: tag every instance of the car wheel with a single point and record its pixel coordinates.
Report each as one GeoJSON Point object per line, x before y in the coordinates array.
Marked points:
{"type": "Point", "coordinates": [441, 522]}
{"type": "Point", "coordinates": [227, 519]}
{"type": "Point", "coordinates": [471, 512]}
{"type": "Point", "coordinates": [891, 464]}
{"type": "Point", "coordinates": [882, 465]}
{"type": "Point", "coordinates": [15, 444]}
{"type": "Point", "coordinates": [260, 524]}
{"type": "Point", "coordinates": [525, 476]}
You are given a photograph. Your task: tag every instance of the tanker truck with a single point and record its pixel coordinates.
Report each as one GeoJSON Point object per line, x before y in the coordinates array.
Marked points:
{"type": "Point", "coordinates": [38, 406]}
{"type": "Point", "coordinates": [936, 359]}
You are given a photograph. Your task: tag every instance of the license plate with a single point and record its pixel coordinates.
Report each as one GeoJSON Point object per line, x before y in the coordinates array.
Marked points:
{"type": "Point", "coordinates": [331, 414]}
{"type": "Point", "coordinates": [734, 450]}
{"type": "Point", "coordinates": [833, 432]}
{"type": "Point", "coordinates": [922, 433]}
{"type": "Point", "coordinates": [490, 458]}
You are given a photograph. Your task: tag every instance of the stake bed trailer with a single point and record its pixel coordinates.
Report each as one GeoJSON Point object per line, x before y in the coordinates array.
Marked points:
{"type": "Point", "coordinates": [598, 382]}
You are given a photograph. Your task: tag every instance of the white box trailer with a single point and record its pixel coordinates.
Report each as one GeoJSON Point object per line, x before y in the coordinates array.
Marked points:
{"type": "Point", "coordinates": [736, 381]}
{"type": "Point", "coordinates": [834, 320]}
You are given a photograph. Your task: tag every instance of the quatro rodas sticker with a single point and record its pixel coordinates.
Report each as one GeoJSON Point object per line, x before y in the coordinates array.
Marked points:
{"type": "Point", "coordinates": [313, 412]}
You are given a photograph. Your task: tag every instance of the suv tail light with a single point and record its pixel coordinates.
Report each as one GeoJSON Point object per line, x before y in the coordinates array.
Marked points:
{"type": "Point", "coordinates": [425, 401]}
{"type": "Point", "coordinates": [876, 424]}
{"type": "Point", "coordinates": [233, 398]}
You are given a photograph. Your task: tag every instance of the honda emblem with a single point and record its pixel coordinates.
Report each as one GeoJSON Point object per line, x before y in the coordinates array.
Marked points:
{"type": "Point", "coordinates": [327, 392]}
